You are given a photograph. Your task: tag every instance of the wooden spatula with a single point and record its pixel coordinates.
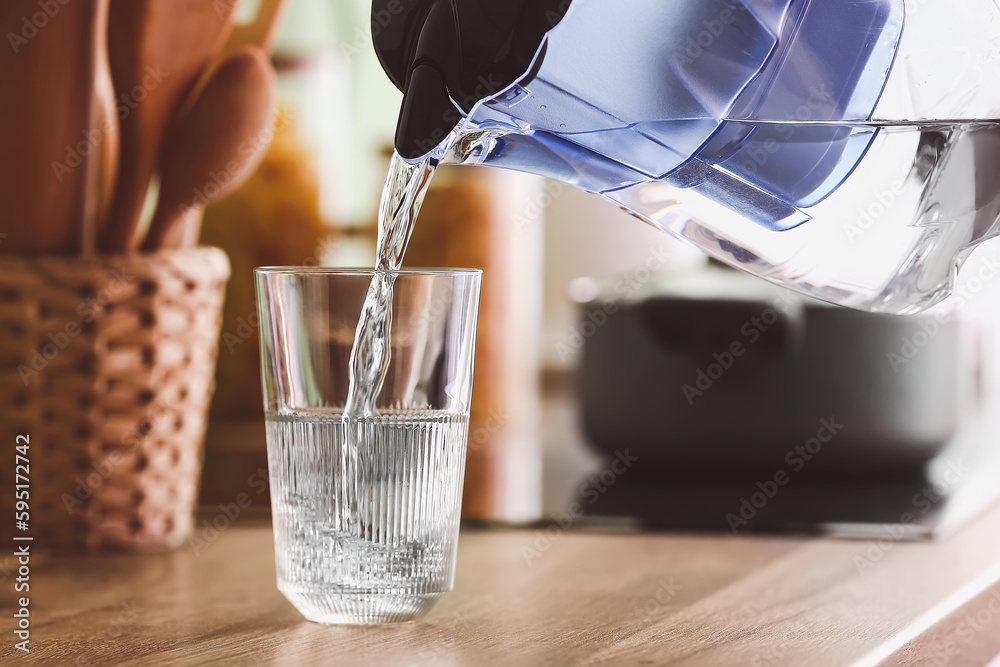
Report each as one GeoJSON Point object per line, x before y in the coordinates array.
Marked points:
{"type": "Point", "coordinates": [213, 149]}
{"type": "Point", "coordinates": [49, 141]}
{"type": "Point", "coordinates": [158, 49]}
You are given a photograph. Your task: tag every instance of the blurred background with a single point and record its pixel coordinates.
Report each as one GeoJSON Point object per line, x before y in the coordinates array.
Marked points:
{"type": "Point", "coordinates": [604, 340]}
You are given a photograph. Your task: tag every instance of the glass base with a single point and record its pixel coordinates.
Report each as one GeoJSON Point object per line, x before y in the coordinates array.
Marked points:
{"type": "Point", "coordinates": [338, 608]}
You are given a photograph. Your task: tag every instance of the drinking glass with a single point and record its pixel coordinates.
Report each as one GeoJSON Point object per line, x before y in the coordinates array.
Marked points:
{"type": "Point", "coordinates": [366, 508]}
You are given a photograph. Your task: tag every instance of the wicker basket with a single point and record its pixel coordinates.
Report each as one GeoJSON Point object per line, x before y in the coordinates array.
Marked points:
{"type": "Point", "coordinates": [107, 366]}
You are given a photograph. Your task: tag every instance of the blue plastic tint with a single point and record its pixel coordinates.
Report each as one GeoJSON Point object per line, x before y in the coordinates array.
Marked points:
{"type": "Point", "coordinates": [759, 105]}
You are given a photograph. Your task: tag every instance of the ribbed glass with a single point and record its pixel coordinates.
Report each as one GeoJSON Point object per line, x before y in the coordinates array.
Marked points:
{"type": "Point", "coordinates": [366, 535]}
{"type": "Point", "coordinates": [366, 508]}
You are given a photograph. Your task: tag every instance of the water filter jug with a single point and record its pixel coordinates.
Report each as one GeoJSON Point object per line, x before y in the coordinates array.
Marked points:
{"type": "Point", "coordinates": [847, 149]}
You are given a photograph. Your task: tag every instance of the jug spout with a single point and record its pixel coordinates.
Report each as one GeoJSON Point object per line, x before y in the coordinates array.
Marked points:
{"type": "Point", "coordinates": [447, 56]}
{"type": "Point", "coordinates": [427, 115]}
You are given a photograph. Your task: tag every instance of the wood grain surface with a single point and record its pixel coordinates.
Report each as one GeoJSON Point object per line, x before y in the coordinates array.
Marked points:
{"type": "Point", "coordinates": [536, 597]}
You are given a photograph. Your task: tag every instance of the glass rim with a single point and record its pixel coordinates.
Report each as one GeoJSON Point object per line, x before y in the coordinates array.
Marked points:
{"type": "Point", "coordinates": [368, 273]}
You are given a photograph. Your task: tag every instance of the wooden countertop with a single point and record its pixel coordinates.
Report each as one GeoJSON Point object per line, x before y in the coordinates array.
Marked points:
{"type": "Point", "coordinates": [524, 598]}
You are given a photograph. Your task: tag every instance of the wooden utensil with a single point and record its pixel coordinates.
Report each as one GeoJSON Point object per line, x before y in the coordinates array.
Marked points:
{"type": "Point", "coordinates": [101, 180]}
{"type": "Point", "coordinates": [48, 140]}
{"type": "Point", "coordinates": [260, 31]}
{"type": "Point", "coordinates": [213, 149]}
{"type": "Point", "coordinates": [158, 49]}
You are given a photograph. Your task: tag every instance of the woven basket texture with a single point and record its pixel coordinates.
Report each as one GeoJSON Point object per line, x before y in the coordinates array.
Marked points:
{"type": "Point", "coordinates": [106, 365]}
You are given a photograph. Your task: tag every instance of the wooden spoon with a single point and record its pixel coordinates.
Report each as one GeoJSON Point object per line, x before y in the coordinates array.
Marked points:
{"type": "Point", "coordinates": [48, 140]}
{"type": "Point", "coordinates": [215, 148]}
{"type": "Point", "coordinates": [158, 50]}
{"type": "Point", "coordinates": [260, 31]}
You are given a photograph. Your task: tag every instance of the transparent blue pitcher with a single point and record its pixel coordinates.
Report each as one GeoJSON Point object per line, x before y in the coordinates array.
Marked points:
{"type": "Point", "coordinates": [847, 149]}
